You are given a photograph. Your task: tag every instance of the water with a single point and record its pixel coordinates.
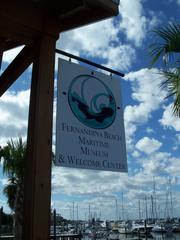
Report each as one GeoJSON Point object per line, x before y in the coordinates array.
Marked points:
{"type": "Point", "coordinates": [152, 236]}
{"type": "Point", "coordinates": [163, 236]}
{"type": "Point", "coordinates": [155, 236]}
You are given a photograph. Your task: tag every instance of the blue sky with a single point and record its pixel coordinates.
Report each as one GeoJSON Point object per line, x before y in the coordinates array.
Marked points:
{"type": "Point", "coordinates": [152, 134]}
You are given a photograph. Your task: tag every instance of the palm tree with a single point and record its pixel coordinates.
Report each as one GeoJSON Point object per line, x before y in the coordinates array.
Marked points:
{"type": "Point", "coordinates": [12, 157]}
{"type": "Point", "coordinates": [166, 50]}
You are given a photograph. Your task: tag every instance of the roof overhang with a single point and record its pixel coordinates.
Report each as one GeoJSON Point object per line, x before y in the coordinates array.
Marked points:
{"type": "Point", "coordinates": [22, 21]}
{"type": "Point", "coordinates": [75, 13]}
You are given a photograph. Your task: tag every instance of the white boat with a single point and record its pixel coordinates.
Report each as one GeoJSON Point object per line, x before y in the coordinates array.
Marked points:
{"type": "Point", "coordinates": [158, 228]}
{"type": "Point", "coordinates": [176, 227]}
{"type": "Point", "coordinates": [141, 228]}
{"type": "Point", "coordinates": [114, 234]}
{"type": "Point", "coordinates": [136, 228]}
{"type": "Point", "coordinates": [124, 228]}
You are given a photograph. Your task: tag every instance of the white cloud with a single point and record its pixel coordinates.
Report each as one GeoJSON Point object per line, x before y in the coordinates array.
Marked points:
{"type": "Point", "coordinates": [174, 167]}
{"type": "Point", "coordinates": [102, 39]}
{"type": "Point", "coordinates": [77, 182]}
{"type": "Point", "coordinates": [92, 38]}
{"type": "Point", "coordinates": [145, 87]}
{"type": "Point", "coordinates": [176, 145]}
{"type": "Point", "coordinates": [99, 40]}
{"type": "Point", "coordinates": [120, 57]}
{"type": "Point", "coordinates": [136, 154]}
{"type": "Point", "coordinates": [134, 22]}
{"type": "Point", "coordinates": [130, 130]}
{"type": "Point", "coordinates": [8, 56]}
{"type": "Point", "coordinates": [155, 164]}
{"type": "Point", "coordinates": [14, 114]}
{"type": "Point", "coordinates": [149, 130]}
{"type": "Point", "coordinates": [168, 120]}
{"type": "Point", "coordinates": [99, 189]}
{"type": "Point", "coordinates": [3, 181]}
{"type": "Point", "coordinates": [148, 145]}
{"type": "Point", "coordinates": [137, 113]}
{"type": "Point", "coordinates": [147, 96]}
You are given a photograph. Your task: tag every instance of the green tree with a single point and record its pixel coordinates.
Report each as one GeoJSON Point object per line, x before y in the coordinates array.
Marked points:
{"type": "Point", "coordinates": [165, 50]}
{"type": "Point", "coordinates": [12, 156]}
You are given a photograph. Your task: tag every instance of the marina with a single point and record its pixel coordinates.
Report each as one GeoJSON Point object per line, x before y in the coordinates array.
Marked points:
{"type": "Point", "coordinates": [119, 230]}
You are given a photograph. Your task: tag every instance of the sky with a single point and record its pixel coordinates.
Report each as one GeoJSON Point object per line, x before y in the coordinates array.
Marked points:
{"type": "Point", "coordinates": [152, 133]}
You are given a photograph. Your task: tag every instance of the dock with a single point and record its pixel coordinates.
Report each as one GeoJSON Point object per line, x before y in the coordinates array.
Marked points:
{"type": "Point", "coordinates": [57, 237]}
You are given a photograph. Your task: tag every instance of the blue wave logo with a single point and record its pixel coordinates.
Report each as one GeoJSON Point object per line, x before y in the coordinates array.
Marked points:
{"type": "Point", "coordinates": [92, 102]}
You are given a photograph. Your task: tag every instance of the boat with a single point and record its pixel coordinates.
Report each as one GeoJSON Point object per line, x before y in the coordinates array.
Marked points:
{"type": "Point", "coordinates": [114, 234]}
{"type": "Point", "coordinates": [162, 228]}
{"type": "Point", "coordinates": [141, 227]}
{"type": "Point", "coordinates": [125, 227]}
{"type": "Point", "coordinates": [176, 228]}
{"type": "Point", "coordinates": [158, 228]}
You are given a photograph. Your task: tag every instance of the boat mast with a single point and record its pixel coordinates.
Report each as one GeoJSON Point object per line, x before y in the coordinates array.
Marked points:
{"type": "Point", "coordinates": [116, 209]}
{"type": "Point", "coordinates": [146, 208]}
{"type": "Point", "coordinates": [89, 213]}
{"type": "Point", "coordinates": [170, 193]}
{"type": "Point", "coordinates": [169, 203]}
{"type": "Point", "coordinates": [154, 198]}
{"type": "Point", "coordinates": [139, 207]}
{"type": "Point", "coordinates": [73, 211]}
{"type": "Point", "coordinates": [152, 207]}
{"type": "Point", "coordinates": [122, 206]}
{"type": "Point", "coordinates": [77, 212]}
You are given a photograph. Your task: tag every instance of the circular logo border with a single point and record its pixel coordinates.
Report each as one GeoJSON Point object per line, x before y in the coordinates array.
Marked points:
{"type": "Point", "coordinates": [77, 115]}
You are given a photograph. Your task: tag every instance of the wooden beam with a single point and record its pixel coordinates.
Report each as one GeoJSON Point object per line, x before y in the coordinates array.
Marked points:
{"type": "Point", "coordinates": [23, 22]}
{"type": "Point", "coordinates": [1, 50]}
{"type": "Point", "coordinates": [36, 222]}
{"type": "Point", "coordinates": [8, 45]}
{"type": "Point", "coordinates": [15, 69]}
{"type": "Point", "coordinates": [5, 45]}
{"type": "Point", "coordinates": [17, 32]}
{"type": "Point", "coordinates": [1, 56]}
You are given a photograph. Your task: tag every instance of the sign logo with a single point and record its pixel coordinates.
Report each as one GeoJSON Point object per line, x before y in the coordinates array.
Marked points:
{"type": "Point", "coordinates": [91, 101]}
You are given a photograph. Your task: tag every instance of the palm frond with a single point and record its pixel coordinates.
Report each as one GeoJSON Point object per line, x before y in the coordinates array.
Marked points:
{"type": "Point", "coordinates": [167, 44]}
{"type": "Point", "coordinates": [167, 50]}
{"type": "Point", "coordinates": [9, 191]}
{"type": "Point", "coordinates": [171, 83]}
{"type": "Point", "coordinates": [170, 36]}
{"type": "Point", "coordinates": [155, 52]}
{"type": "Point", "coordinates": [176, 107]}
{"type": "Point", "coordinates": [13, 155]}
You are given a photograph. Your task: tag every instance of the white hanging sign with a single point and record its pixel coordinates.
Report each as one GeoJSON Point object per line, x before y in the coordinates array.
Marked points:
{"type": "Point", "coordinates": [89, 122]}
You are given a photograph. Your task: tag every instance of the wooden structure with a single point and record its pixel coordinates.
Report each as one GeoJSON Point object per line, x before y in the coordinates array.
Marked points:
{"type": "Point", "coordinates": [57, 237]}
{"type": "Point", "coordinates": [36, 25]}
{"type": "Point", "coordinates": [67, 236]}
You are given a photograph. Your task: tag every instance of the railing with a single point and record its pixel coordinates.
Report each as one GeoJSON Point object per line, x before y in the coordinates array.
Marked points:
{"type": "Point", "coordinates": [8, 237]}
{"type": "Point", "coordinates": [89, 62]}
{"type": "Point", "coordinates": [66, 237]}
{"type": "Point", "coordinates": [57, 237]}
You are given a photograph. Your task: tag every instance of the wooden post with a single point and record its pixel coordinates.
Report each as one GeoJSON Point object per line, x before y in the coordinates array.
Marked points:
{"type": "Point", "coordinates": [1, 51]}
{"type": "Point", "coordinates": [54, 215]}
{"type": "Point", "coordinates": [1, 217]}
{"type": "Point", "coordinates": [36, 222]}
{"type": "Point", "coordinates": [1, 57]}
{"type": "Point", "coordinates": [146, 232]}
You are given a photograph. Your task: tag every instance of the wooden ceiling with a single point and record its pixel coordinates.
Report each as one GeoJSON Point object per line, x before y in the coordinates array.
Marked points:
{"type": "Point", "coordinates": [23, 22]}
